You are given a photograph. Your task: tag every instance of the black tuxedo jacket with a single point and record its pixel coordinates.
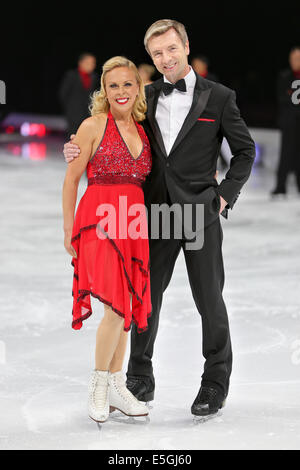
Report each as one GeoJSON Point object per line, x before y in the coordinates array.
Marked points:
{"type": "Point", "coordinates": [187, 173]}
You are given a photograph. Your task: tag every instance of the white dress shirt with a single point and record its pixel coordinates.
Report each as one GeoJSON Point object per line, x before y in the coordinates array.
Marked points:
{"type": "Point", "coordinates": [172, 110]}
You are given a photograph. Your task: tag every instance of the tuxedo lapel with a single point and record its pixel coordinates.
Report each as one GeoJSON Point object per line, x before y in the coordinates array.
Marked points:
{"type": "Point", "coordinates": [151, 110]}
{"type": "Point", "coordinates": [200, 99]}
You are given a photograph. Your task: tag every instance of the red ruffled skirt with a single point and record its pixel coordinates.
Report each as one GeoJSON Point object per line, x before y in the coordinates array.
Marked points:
{"type": "Point", "coordinates": [112, 260]}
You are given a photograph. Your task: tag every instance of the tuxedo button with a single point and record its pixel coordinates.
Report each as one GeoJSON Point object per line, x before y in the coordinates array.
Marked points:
{"type": "Point", "coordinates": [168, 164]}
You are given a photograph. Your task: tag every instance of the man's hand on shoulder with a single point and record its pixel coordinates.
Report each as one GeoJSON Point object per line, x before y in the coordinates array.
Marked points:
{"type": "Point", "coordinates": [71, 150]}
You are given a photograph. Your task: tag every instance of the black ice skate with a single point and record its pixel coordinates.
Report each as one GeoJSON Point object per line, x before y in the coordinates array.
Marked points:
{"type": "Point", "coordinates": [208, 402]}
{"type": "Point", "coordinates": [141, 386]}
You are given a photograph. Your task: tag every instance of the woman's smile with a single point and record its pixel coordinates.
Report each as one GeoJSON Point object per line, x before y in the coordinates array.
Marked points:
{"type": "Point", "coordinates": [122, 100]}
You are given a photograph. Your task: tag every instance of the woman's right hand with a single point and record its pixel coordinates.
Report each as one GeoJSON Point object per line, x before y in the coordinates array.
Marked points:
{"type": "Point", "coordinates": [68, 246]}
{"type": "Point", "coordinates": [71, 151]}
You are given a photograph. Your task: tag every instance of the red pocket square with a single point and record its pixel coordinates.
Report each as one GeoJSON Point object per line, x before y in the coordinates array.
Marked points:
{"type": "Point", "coordinates": [209, 120]}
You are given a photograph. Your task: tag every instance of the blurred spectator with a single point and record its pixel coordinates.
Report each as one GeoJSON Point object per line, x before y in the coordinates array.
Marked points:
{"type": "Point", "coordinates": [76, 87]}
{"type": "Point", "coordinates": [289, 123]}
{"type": "Point", "coordinates": [146, 72]}
{"type": "Point", "coordinates": [200, 64]}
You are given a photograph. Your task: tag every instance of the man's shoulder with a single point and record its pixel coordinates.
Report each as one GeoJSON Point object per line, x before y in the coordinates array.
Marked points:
{"type": "Point", "coordinates": [218, 90]}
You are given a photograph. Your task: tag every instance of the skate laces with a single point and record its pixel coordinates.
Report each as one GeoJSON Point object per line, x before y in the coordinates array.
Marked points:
{"type": "Point", "coordinates": [99, 390]}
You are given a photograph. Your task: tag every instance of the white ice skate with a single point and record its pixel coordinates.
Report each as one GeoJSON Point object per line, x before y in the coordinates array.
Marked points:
{"type": "Point", "coordinates": [122, 399]}
{"type": "Point", "coordinates": [98, 400]}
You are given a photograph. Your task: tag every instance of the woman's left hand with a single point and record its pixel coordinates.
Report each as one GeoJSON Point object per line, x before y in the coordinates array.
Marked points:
{"type": "Point", "coordinates": [68, 246]}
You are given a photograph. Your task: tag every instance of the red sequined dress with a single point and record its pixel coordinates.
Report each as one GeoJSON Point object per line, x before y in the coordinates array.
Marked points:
{"type": "Point", "coordinates": [110, 234]}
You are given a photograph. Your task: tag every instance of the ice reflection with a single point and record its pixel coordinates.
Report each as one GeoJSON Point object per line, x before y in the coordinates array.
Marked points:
{"type": "Point", "coordinates": [28, 150]}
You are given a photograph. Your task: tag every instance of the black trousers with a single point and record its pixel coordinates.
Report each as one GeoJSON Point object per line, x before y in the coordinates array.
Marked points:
{"type": "Point", "coordinates": [206, 278]}
{"type": "Point", "coordinates": [289, 160]}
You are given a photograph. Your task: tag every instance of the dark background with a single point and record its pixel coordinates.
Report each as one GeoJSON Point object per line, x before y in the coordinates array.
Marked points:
{"type": "Point", "coordinates": [247, 43]}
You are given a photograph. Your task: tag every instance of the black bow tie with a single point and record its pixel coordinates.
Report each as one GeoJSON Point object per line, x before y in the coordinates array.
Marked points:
{"type": "Point", "coordinates": [169, 87]}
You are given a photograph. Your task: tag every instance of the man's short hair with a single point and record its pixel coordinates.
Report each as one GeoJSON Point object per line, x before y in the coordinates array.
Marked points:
{"type": "Point", "coordinates": [161, 27]}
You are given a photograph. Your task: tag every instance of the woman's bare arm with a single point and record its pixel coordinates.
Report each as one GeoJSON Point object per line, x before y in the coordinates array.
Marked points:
{"type": "Point", "coordinates": [90, 130]}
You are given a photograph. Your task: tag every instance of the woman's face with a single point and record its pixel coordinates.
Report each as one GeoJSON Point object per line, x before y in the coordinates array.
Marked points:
{"type": "Point", "coordinates": [121, 88]}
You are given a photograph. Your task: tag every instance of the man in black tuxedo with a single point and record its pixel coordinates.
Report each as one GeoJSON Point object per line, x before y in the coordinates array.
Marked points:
{"type": "Point", "coordinates": [186, 128]}
{"type": "Point", "coordinates": [187, 118]}
{"type": "Point", "coordinates": [289, 124]}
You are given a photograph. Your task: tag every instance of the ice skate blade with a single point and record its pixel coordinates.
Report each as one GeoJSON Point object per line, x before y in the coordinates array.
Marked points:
{"type": "Point", "coordinates": [124, 419]}
{"type": "Point", "coordinates": [99, 423]}
{"type": "Point", "coordinates": [113, 408]}
{"type": "Point", "coordinates": [150, 407]}
{"type": "Point", "coordinates": [120, 417]}
{"type": "Point", "coordinates": [204, 419]}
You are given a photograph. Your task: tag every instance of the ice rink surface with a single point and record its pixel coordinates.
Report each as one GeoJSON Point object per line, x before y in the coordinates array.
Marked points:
{"type": "Point", "coordinates": [45, 365]}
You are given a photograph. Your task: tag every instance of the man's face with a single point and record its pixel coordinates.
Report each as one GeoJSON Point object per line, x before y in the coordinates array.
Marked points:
{"type": "Point", "coordinates": [169, 55]}
{"type": "Point", "coordinates": [88, 64]}
{"type": "Point", "coordinates": [295, 60]}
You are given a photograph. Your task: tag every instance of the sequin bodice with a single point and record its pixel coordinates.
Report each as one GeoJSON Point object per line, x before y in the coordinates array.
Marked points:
{"type": "Point", "coordinates": [113, 163]}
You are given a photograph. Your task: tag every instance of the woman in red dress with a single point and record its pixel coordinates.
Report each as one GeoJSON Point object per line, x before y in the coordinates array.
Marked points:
{"type": "Point", "coordinates": [107, 240]}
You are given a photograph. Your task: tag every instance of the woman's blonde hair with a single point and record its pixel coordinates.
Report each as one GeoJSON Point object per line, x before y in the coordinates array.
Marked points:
{"type": "Point", "coordinates": [161, 27]}
{"type": "Point", "coordinates": [99, 102]}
